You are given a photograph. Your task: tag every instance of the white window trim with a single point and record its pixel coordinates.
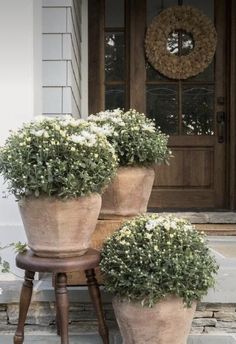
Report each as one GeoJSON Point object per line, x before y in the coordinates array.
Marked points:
{"type": "Point", "coordinates": [37, 58]}
{"type": "Point", "coordinates": [84, 59]}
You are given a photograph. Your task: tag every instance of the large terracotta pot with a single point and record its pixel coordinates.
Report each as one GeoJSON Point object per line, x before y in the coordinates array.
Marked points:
{"type": "Point", "coordinates": [168, 322]}
{"type": "Point", "coordinates": [129, 192]}
{"type": "Point", "coordinates": [60, 228]}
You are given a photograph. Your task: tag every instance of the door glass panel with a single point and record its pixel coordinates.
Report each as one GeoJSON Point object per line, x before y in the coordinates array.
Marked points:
{"type": "Point", "coordinates": [115, 97]}
{"type": "Point", "coordinates": [154, 7]}
{"type": "Point", "coordinates": [153, 74]}
{"type": "Point", "coordinates": [114, 13]}
{"type": "Point", "coordinates": [207, 7]}
{"type": "Point", "coordinates": [198, 110]}
{"type": "Point", "coordinates": [194, 106]}
{"type": "Point", "coordinates": [180, 43]}
{"type": "Point", "coordinates": [206, 75]}
{"type": "Point", "coordinates": [163, 107]}
{"type": "Point", "coordinates": [114, 56]}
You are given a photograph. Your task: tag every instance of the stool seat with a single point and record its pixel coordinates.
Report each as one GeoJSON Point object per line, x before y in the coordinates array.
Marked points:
{"type": "Point", "coordinates": [28, 261]}
{"type": "Point", "coordinates": [60, 267]}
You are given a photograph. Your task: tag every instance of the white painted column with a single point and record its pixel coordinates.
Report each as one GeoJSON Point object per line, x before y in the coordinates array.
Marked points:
{"type": "Point", "coordinates": [20, 91]}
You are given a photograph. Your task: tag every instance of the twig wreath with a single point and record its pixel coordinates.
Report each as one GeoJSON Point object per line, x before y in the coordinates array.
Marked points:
{"type": "Point", "coordinates": [186, 19]}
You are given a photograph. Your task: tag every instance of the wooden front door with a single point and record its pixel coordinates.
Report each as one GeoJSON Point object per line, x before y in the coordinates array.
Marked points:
{"type": "Point", "coordinates": [192, 112]}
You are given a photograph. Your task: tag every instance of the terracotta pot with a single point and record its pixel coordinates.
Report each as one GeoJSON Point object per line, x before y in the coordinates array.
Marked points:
{"type": "Point", "coordinates": [129, 192]}
{"type": "Point", "coordinates": [168, 322]}
{"type": "Point", "coordinates": [60, 228]}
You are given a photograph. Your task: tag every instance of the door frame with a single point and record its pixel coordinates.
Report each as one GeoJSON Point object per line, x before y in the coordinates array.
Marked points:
{"type": "Point", "coordinates": [231, 102]}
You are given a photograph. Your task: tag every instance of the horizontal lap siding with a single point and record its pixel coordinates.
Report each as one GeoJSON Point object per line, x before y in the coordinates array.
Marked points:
{"type": "Point", "coordinates": [62, 57]}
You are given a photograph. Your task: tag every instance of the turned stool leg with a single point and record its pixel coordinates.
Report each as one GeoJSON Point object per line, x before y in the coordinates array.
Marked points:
{"type": "Point", "coordinates": [96, 299]}
{"type": "Point", "coordinates": [57, 322]}
{"type": "Point", "coordinates": [57, 316]}
{"type": "Point", "coordinates": [62, 306]}
{"type": "Point", "coordinates": [25, 298]}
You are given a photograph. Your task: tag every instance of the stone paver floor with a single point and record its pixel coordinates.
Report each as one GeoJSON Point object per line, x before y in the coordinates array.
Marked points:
{"type": "Point", "coordinates": [94, 339]}
{"type": "Point", "coordinates": [52, 339]}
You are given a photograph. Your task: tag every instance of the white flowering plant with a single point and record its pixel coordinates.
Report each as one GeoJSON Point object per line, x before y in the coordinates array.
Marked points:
{"type": "Point", "coordinates": [153, 256]}
{"type": "Point", "coordinates": [134, 136]}
{"type": "Point", "coordinates": [61, 157]}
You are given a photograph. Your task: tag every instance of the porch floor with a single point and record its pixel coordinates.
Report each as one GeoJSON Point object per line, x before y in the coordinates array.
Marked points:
{"type": "Point", "coordinates": [94, 339]}
{"type": "Point", "coordinates": [201, 217]}
{"type": "Point", "coordinates": [221, 223]}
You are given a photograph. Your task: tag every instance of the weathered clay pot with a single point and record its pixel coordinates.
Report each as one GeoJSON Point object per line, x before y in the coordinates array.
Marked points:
{"type": "Point", "coordinates": [59, 228]}
{"type": "Point", "coordinates": [129, 192]}
{"type": "Point", "coordinates": [168, 322]}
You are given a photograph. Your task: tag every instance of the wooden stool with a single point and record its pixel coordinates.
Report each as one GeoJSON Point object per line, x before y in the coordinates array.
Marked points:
{"type": "Point", "coordinates": [31, 264]}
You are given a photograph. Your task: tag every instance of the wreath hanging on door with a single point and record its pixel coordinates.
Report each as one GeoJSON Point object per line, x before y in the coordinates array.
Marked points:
{"type": "Point", "coordinates": [200, 35]}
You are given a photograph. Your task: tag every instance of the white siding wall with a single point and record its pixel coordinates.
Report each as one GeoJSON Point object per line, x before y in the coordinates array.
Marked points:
{"type": "Point", "coordinates": [62, 57]}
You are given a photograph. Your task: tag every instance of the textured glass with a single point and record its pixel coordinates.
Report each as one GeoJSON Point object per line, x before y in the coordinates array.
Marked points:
{"type": "Point", "coordinates": [206, 75]}
{"type": "Point", "coordinates": [114, 13]}
{"type": "Point", "coordinates": [153, 74]}
{"type": "Point", "coordinates": [198, 110]}
{"type": "Point", "coordinates": [114, 97]}
{"type": "Point", "coordinates": [163, 107]}
{"type": "Point", "coordinates": [207, 7]}
{"type": "Point", "coordinates": [180, 43]}
{"type": "Point", "coordinates": [114, 56]}
{"type": "Point", "coordinates": [154, 7]}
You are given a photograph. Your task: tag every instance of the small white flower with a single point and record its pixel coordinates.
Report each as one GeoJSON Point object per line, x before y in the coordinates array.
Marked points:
{"type": "Point", "coordinates": [166, 225]}
{"type": "Point", "coordinates": [40, 119]}
{"type": "Point", "coordinates": [118, 121]}
{"type": "Point", "coordinates": [57, 127]}
{"type": "Point", "coordinates": [148, 236]}
{"type": "Point", "coordinates": [188, 228]}
{"type": "Point", "coordinates": [66, 118]}
{"type": "Point", "coordinates": [38, 133]}
{"type": "Point", "coordinates": [91, 142]}
{"type": "Point", "coordinates": [64, 124]}
{"type": "Point", "coordinates": [76, 122]}
{"type": "Point", "coordinates": [106, 130]}
{"type": "Point", "coordinates": [151, 224]}
{"type": "Point", "coordinates": [69, 120]}
{"type": "Point", "coordinates": [87, 135]}
{"type": "Point", "coordinates": [148, 127]}
{"type": "Point", "coordinates": [93, 118]}
{"type": "Point", "coordinates": [173, 224]}
{"type": "Point", "coordinates": [77, 139]}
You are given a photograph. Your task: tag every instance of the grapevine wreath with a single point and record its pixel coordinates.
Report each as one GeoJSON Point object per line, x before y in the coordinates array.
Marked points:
{"type": "Point", "coordinates": [186, 19]}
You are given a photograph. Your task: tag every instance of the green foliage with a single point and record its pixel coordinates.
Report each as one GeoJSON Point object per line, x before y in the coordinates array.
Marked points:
{"type": "Point", "coordinates": [20, 248]}
{"type": "Point", "coordinates": [153, 256]}
{"type": "Point", "coordinates": [57, 157]}
{"type": "Point", "coordinates": [4, 265]}
{"type": "Point", "coordinates": [134, 137]}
